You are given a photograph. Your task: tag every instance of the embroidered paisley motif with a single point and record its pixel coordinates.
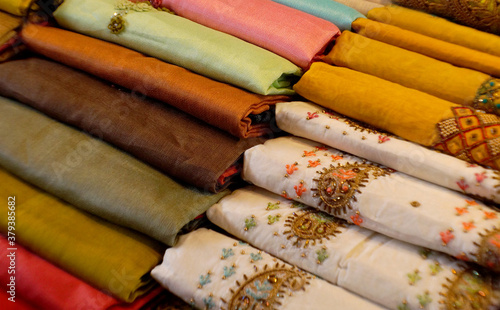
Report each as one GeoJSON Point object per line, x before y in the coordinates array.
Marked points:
{"type": "Point", "coordinates": [311, 226]}
{"type": "Point", "coordinates": [267, 288]}
{"type": "Point", "coordinates": [488, 253]}
{"type": "Point", "coordinates": [337, 186]}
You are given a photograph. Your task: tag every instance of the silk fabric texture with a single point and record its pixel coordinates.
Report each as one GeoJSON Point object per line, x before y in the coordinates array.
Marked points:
{"type": "Point", "coordinates": [341, 15]}
{"type": "Point", "coordinates": [310, 121]}
{"type": "Point", "coordinates": [113, 259]}
{"type": "Point", "coordinates": [94, 176]}
{"type": "Point", "coordinates": [221, 105]}
{"type": "Point", "coordinates": [167, 139]}
{"type": "Point", "coordinates": [234, 275]}
{"type": "Point", "coordinates": [264, 23]}
{"type": "Point", "coordinates": [9, 27]}
{"type": "Point", "coordinates": [374, 197]}
{"type": "Point", "coordinates": [437, 27]}
{"type": "Point", "coordinates": [452, 53]}
{"type": "Point", "coordinates": [361, 6]}
{"type": "Point", "coordinates": [185, 43]}
{"type": "Point", "coordinates": [410, 69]}
{"type": "Point", "coordinates": [392, 273]}
{"type": "Point", "coordinates": [16, 7]}
{"type": "Point", "coordinates": [49, 287]}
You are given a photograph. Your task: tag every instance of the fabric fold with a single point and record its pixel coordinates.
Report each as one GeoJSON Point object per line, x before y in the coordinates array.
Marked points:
{"type": "Point", "coordinates": [113, 259]}
{"type": "Point", "coordinates": [437, 27]}
{"type": "Point", "coordinates": [16, 7]}
{"type": "Point", "coordinates": [310, 121]}
{"type": "Point", "coordinates": [341, 15]}
{"type": "Point", "coordinates": [455, 130]}
{"type": "Point", "coordinates": [221, 105]}
{"type": "Point", "coordinates": [395, 274]}
{"type": "Point", "coordinates": [182, 42]}
{"type": "Point", "coordinates": [361, 6]}
{"type": "Point", "coordinates": [167, 139]}
{"type": "Point", "coordinates": [94, 176]}
{"type": "Point", "coordinates": [9, 40]}
{"type": "Point", "coordinates": [264, 23]}
{"type": "Point", "coordinates": [235, 275]}
{"type": "Point", "coordinates": [375, 197]}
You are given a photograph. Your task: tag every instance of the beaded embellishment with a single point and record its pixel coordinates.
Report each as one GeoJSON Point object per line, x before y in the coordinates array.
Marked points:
{"type": "Point", "coordinates": [488, 96]}
{"type": "Point", "coordinates": [266, 288]}
{"type": "Point", "coordinates": [117, 23]}
{"type": "Point", "coordinates": [471, 136]}
{"type": "Point", "coordinates": [488, 253]}
{"type": "Point", "coordinates": [310, 226]}
{"type": "Point", "coordinates": [336, 187]}
{"type": "Point", "coordinates": [470, 290]}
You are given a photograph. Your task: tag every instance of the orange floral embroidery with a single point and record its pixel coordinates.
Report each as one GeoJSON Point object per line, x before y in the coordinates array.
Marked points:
{"type": "Point", "coordinates": [480, 176]}
{"type": "Point", "coordinates": [471, 202]}
{"type": "Point", "coordinates": [337, 157]}
{"type": "Point", "coordinates": [312, 115]}
{"type": "Point", "coordinates": [446, 236]}
{"type": "Point", "coordinates": [345, 174]}
{"type": "Point", "coordinates": [291, 168]}
{"type": "Point", "coordinates": [356, 219]}
{"type": "Point", "coordinates": [314, 163]}
{"type": "Point", "coordinates": [321, 148]}
{"type": "Point", "coordinates": [382, 139]}
{"type": "Point", "coordinates": [468, 226]}
{"type": "Point", "coordinates": [461, 211]}
{"type": "Point", "coordinates": [299, 189]}
{"type": "Point", "coordinates": [496, 241]}
{"type": "Point", "coordinates": [490, 215]}
{"type": "Point", "coordinates": [307, 154]}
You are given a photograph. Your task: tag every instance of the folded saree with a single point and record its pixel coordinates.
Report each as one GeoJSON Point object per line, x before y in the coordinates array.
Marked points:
{"type": "Point", "coordinates": [9, 41]}
{"type": "Point", "coordinates": [482, 15]}
{"type": "Point", "coordinates": [167, 139]}
{"type": "Point", "coordinates": [47, 286]}
{"type": "Point", "coordinates": [94, 176]}
{"type": "Point", "coordinates": [441, 50]}
{"type": "Point", "coordinates": [376, 197]}
{"type": "Point", "coordinates": [341, 15]}
{"type": "Point", "coordinates": [437, 27]}
{"type": "Point", "coordinates": [16, 7]}
{"type": "Point", "coordinates": [316, 123]}
{"type": "Point", "coordinates": [182, 42]}
{"type": "Point", "coordinates": [458, 131]}
{"type": "Point", "coordinates": [113, 259]}
{"type": "Point", "coordinates": [221, 105]}
{"type": "Point", "coordinates": [264, 23]}
{"type": "Point", "coordinates": [235, 275]}
{"type": "Point", "coordinates": [392, 273]}
{"type": "Point", "coordinates": [459, 85]}
{"type": "Point", "coordinates": [362, 6]}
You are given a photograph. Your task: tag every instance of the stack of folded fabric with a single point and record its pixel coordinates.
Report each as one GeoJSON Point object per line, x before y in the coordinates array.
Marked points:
{"type": "Point", "coordinates": [354, 144]}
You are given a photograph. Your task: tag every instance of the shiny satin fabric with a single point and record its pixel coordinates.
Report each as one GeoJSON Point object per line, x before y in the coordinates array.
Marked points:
{"type": "Point", "coordinates": [167, 139]}
{"type": "Point", "coordinates": [292, 34]}
{"type": "Point", "coordinates": [182, 42]}
{"type": "Point", "coordinates": [221, 105]}
{"type": "Point", "coordinates": [437, 27]}
{"type": "Point", "coordinates": [95, 176]}
{"type": "Point", "coordinates": [452, 53]}
{"type": "Point", "coordinates": [112, 258]}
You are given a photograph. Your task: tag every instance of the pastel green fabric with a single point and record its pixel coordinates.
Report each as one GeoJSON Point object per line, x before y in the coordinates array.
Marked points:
{"type": "Point", "coordinates": [341, 15]}
{"type": "Point", "coordinates": [113, 259]}
{"type": "Point", "coordinates": [184, 43]}
{"type": "Point", "coordinates": [94, 176]}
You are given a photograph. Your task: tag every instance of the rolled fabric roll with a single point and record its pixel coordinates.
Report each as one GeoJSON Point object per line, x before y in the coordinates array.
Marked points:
{"type": "Point", "coordinates": [233, 275]}
{"type": "Point", "coordinates": [264, 23]}
{"type": "Point", "coordinates": [182, 42]}
{"type": "Point", "coordinates": [482, 15]}
{"type": "Point", "coordinates": [16, 7]}
{"type": "Point", "coordinates": [197, 153]}
{"type": "Point", "coordinates": [9, 40]}
{"type": "Point", "coordinates": [439, 49]}
{"type": "Point", "coordinates": [113, 259]}
{"type": "Point", "coordinates": [362, 6]}
{"type": "Point", "coordinates": [94, 176]}
{"type": "Point", "coordinates": [458, 131]}
{"type": "Point", "coordinates": [219, 104]}
{"type": "Point", "coordinates": [341, 15]}
{"type": "Point", "coordinates": [413, 70]}
{"type": "Point", "coordinates": [395, 274]}
{"type": "Point", "coordinates": [437, 27]}
{"type": "Point", "coordinates": [375, 197]}
{"type": "Point", "coordinates": [310, 121]}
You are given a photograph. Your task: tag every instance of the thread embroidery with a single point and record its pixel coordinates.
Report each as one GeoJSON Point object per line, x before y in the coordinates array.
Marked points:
{"type": "Point", "coordinates": [469, 290]}
{"type": "Point", "coordinates": [488, 253]}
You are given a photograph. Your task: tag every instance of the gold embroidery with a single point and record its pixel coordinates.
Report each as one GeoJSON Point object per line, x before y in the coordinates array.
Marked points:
{"type": "Point", "coordinates": [311, 226]}
{"type": "Point", "coordinates": [358, 126]}
{"type": "Point", "coordinates": [488, 253]}
{"type": "Point", "coordinates": [469, 290]}
{"type": "Point", "coordinates": [337, 186]}
{"type": "Point", "coordinates": [488, 97]}
{"type": "Point", "coordinates": [265, 289]}
{"type": "Point", "coordinates": [472, 136]}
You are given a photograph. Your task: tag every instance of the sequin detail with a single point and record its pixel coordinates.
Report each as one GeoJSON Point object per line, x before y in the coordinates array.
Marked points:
{"type": "Point", "coordinates": [311, 226]}
{"type": "Point", "coordinates": [488, 253]}
{"type": "Point", "coordinates": [472, 136]}
{"type": "Point", "coordinates": [488, 96]}
{"type": "Point", "coordinates": [469, 290]}
{"type": "Point", "coordinates": [266, 288]}
{"type": "Point", "coordinates": [337, 186]}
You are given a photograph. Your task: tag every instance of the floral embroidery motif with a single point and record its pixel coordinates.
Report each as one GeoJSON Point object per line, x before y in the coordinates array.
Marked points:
{"type": "Point", "coordinates": [488, 253]}
{"type": "Point", "coordinates": [204, 280]}
{"type": "Point", "coordinates": [356, 219]}
{"type": "Point", "coordinates": [249, 223]}
{"type": "Point", "coordinates": [488, 96]}
{"type": "Point", "coordinates": [299, 189]}
{"type": "Point", "coordinates": [337, 186]}
{"type": "Point", "coordinates": [472, 136]}
{"type": "Point", "coordinates": [265, 289]}
{"type": "Point", "coordinates": [227, 253]}
{"type": "Point", "coordinates": [468, 226]}
{"type": "Point", "coordinates": [463, 185]}
{"type": "Point", "coordinates": [310, 226]}
{"type": "Point", "coordinates": [255, 256]}
{"type": "Point", "coordinates": [117, 23]}
{"type": "Point", "coordinates": [382, 139]}
{"type": "Point", "coordinates": [291, 168]}
{"type": "Point", "coordinates": [273, 206]}
{"type": "Point", "coordinates": [404, 306]}
{"type": "Point", "coordinates": [209, 304]}
{"type": "Point", "coordinates": [435, 268]}
{"type": "Point", "coordinates": [321, 148]}
{"type": "Point", "coordinates": [471, 202]}
{"type": "Point", "coordinates": [447, 236]}
{"type": "Point", "coordinates": [273, 218]}
{"type": "Point", "coordinates": [424, 299]}
{"type": "Point", "coordinates": [314, 163]}
{"type": "Point", "coordinates": [480, 177]}
{"type": "Point", "coordinates": [461, 211]}
{"type": "Point", "coordinates": [490, 215]}
{"type": "Point", "coordinates": [469, 290]}
{"type": "Point", "coordinates": [414, 277]}
{"type": "Point", "coordinates": [322, 255]}
{"type": "Point", "coordinates": [312, 115]}
{"type": "Point", "coordinates": [337, 157]}
{"type": "Point", "coordinates": [309, 153]}
{"type": "Point", "coordinates": [228, 271]}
